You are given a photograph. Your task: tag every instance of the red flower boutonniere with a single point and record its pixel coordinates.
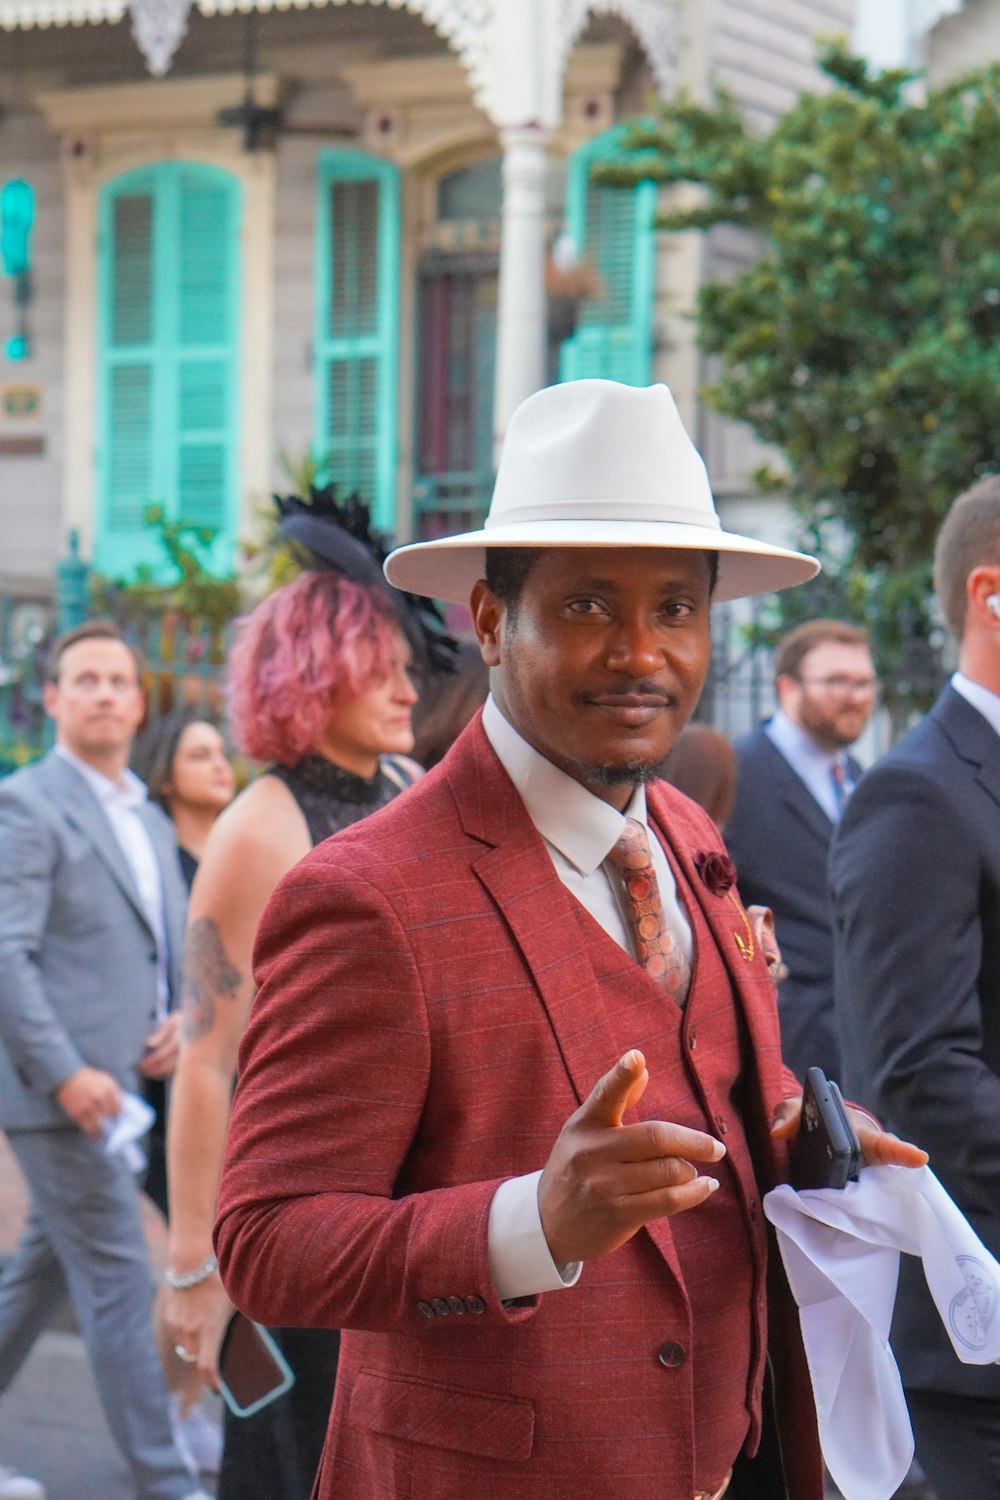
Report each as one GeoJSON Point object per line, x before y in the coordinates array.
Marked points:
{"type": "Point", "coordinates": [716, 870]}
{"type": "Point", "coordinates": [719, 873]}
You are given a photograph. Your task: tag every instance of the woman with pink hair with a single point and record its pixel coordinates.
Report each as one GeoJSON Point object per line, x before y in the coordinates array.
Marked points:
{"type": "Point", "coordinates": [320, 688]}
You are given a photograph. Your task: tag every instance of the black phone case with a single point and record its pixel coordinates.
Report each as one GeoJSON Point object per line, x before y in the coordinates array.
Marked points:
{"type": "Point", "coordinates": [826, 1152]}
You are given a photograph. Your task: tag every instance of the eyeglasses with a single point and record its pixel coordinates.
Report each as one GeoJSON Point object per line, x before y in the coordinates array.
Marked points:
{"type": "Point", "coordinates": [843, 687]}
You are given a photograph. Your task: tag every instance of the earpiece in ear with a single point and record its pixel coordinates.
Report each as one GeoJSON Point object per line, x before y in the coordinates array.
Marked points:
{"type": "Point", "coordinates": [993, 604]}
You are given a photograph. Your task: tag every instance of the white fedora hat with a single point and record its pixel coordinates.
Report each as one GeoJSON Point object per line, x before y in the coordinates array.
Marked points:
{"type": "Point", "coordinates": [592, 463]}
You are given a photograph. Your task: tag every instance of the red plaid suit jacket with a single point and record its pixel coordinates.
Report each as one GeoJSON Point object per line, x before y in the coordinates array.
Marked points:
{"type": "Point", "coordinates": [424, 1025]}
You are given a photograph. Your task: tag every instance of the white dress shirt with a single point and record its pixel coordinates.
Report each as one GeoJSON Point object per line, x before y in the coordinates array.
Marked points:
{"type": "Point", "coordinates": [120, 801]}
{"type": "Point", "coordinates": [579, 831]}
{"type": "Point", "coordinates": [811, 764]}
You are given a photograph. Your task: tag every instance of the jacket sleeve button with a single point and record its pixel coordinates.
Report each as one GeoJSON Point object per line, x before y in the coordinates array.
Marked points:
{"type": "Point", "coordinates": [440, 1306]}
{"type": "Point", "coordinates": [457, 1305]}
{"type": "Point", "coordinates": [426, 1309]}
{"type": "Point", "coordinates": [475, 1305]}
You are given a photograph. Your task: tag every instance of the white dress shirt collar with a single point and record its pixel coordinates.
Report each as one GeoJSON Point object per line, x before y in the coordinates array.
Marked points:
{"type": "Point", "coordinates": [128, 792]}
{"type": "Point", "coordinates": [987, 703]}
{"type": "Point", "coordinates": [584, 828]}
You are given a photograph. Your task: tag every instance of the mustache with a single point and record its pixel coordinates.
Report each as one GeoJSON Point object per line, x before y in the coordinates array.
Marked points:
{"type": "Point", "coordinates": [633, 687]}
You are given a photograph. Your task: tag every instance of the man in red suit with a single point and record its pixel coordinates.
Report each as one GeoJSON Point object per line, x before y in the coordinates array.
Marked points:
{"type": "Point", "coordinates": [511, 1089]}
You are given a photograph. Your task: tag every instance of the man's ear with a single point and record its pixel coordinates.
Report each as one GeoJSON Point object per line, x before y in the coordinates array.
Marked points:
{"type": "Point", "coordinates": [487, 618]}
{"type": "Point", "coordinates": [50, 693]}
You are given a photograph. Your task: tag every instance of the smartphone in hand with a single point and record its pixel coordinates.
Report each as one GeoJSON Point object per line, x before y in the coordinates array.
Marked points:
{"type": "Point", "coordinates": [252, 1369]}
{"type": "Point", "coordinates": [826, 1152]}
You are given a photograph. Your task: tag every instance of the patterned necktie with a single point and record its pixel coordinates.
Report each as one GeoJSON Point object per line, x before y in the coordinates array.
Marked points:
{"type": "Point", "coordinates": [656, 948]}
{"type": "Point", "coordinates": [841, 790]}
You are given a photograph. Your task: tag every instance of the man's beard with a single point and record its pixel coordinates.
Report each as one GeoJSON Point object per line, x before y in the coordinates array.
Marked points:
{"type": "Point", "coordinates": [626, 773]}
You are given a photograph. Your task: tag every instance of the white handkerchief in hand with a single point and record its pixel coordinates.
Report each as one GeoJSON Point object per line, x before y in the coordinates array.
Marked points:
{"type": "Point", "coordinates": [841, 1254]}
{"type": "Point", "coordinates": [123, 1131]}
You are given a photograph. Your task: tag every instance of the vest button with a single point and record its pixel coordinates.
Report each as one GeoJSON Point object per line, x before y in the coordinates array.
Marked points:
{"type": "Point", "coordinates": [692, 1039]}
{"type": "Point", "coordinates": [721, 1125]}
{"type": "Point", "coordinates": [671, 1356]}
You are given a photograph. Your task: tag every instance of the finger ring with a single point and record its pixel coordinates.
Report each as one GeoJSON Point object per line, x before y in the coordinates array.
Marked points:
{"type": "Point", "coordinates": [181, 1352]}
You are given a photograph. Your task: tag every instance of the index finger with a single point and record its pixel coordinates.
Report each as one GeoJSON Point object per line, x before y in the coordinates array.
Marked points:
{"type": "Point", "coordinates": [648, 1139]}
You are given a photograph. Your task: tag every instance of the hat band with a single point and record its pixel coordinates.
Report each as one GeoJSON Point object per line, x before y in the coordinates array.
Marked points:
{"type": "Point", "coordinates": [600, 510]}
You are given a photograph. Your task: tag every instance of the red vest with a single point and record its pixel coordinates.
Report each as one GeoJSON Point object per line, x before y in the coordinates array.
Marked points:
{"type": "Point", "coordinates": [695, 1079]}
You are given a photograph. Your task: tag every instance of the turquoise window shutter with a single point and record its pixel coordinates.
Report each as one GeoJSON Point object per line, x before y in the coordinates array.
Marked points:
{"type": "Point", "coordinates": [169, 290]}
{"type": "Point", "coordinates": [613, 230]}
{"type": "Point", "coordinates": [357, 326]}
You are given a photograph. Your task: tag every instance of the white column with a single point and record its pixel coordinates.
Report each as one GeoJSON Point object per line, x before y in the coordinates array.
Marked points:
{"type": "Point", "coordinates": [521, 312]}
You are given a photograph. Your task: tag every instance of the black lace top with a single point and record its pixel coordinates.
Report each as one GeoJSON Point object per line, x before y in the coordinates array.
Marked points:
{"type": "Point", "coordinates": [331, 798]}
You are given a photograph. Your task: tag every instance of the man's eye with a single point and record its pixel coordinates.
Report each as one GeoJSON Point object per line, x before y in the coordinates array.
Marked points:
{"type": "Point", "coordinates": [586, 606]}
{"type": "Point", "coordinates": [678, 609]}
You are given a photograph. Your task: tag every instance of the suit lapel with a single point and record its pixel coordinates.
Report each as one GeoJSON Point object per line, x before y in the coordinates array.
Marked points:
{"type": "Point", "coordinates": [81, 809]}
{"type": "Point", "coordinates": [516, 869]}
{"type": "Point", "coordinates": [795, 794]}
{"type": "Point", "coordinates": [972, 738]}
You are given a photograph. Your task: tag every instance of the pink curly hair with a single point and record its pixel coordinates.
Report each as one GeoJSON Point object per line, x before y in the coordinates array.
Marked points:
{"type": "Point", "coordinates": [310, 637]}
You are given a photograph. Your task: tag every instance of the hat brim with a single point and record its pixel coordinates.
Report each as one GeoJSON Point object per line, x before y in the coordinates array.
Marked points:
{"type": "Point", "coordinates": [448, 568]}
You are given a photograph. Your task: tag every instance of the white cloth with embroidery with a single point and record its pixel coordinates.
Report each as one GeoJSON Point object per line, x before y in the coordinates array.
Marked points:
{"type": "Point", "coordinates": [841, 1255]}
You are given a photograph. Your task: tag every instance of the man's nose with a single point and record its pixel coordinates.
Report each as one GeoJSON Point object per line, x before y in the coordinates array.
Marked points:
{"type": "Point", "coordinates": [635, 649]}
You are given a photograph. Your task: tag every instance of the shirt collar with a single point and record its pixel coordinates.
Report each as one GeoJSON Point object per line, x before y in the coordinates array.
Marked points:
{"type": "Point", "coordinates": [584, 828]}
{"type": "Point", "coordinates": [980, 697]}
{"type": "Point", "coordinates": [129, 792]}
{"type": "Point", "coordinates": [798, 746]}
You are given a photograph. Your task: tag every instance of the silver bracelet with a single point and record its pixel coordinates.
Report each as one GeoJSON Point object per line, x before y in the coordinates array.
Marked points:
{"type": "Point", "coordinates": [182, 1281]}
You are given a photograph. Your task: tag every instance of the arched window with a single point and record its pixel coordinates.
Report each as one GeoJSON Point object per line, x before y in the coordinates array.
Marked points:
{"type": "Point", "coordinates": [357, 326]}
{"type": "Point", "coordinates": [168, 359]}
{"type": "Point", "coordinates": [613, 230]}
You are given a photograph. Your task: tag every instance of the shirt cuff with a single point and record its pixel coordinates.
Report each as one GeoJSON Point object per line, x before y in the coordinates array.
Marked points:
{"type": "Point", "coordinates": [520, 1262]}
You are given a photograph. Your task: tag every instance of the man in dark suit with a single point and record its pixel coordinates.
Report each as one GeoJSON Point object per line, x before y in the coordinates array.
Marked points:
{"type": "Point", "coordinates": [91, 925]}
{"type": "Point", "coordinates": [445, 1138]}
{"type": "Point", "coordinates": [915, 870]}
{"type": "Point", "coordinates": [794, 776]}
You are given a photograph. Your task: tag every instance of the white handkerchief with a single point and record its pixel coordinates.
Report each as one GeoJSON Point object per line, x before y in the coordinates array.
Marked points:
{"type": "Point", "coordinates": [841, 1255]}
{"type": "Point", "coordinates": [123, 1130]}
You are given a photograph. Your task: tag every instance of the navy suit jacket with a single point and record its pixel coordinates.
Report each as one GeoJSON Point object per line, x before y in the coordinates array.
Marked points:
{"type": "Point", "coordinates": [779, 840]}
{"type": "Point", "coordinates": [915, 870]}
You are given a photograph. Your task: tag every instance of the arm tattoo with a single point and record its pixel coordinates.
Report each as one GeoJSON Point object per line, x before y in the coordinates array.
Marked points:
{"type": "Point", "coordinates": [208, 975]}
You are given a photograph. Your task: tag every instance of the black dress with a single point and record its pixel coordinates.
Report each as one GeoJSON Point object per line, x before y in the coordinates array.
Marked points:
{"type": "Point", "coordinates": [274, 1454]}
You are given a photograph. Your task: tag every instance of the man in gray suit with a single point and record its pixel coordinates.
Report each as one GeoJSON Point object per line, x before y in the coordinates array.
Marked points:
{"type": "Point", "coordinates": [91, 922]}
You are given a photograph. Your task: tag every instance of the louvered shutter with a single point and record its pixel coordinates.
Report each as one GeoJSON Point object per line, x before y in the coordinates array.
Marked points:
{"type": "Point", "coordinates": [168, 351]}
{"type": "Point", "coordinates": [613, 229]}
{"type": "Point", "coordinates": [357, 308]}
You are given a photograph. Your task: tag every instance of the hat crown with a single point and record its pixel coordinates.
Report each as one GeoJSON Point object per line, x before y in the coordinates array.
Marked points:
{"type": "Point", "coordinates": [595, 450]}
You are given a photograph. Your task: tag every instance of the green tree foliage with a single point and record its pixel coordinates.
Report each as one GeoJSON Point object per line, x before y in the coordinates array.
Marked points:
{"type": "Point", "coordinates": [864, 343]}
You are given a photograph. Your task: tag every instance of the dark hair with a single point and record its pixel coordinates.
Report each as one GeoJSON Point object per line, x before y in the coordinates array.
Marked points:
{"type": "Point", "coordinates": [702, 764]}
{"type": "Point", "coordinates": [507, 570]}
{"type": "Point", "coordinates": [90, 630]}
{"type": "Point", "coordinates": [794, 647]}
{"type": "Point", "coordinates": [968, 539]}
{"type": "Point", "coordinates": [447, 704]}
{"type": "Point", "coordinates": [155, 749]}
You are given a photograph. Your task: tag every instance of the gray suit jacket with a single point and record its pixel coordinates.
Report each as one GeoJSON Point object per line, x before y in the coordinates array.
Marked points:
{"type": "Point", "coordinates": [77, 956]}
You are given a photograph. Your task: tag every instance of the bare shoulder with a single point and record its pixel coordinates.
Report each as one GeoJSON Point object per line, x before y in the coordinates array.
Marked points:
{"type": "Point", "coordinates": [258, 838]}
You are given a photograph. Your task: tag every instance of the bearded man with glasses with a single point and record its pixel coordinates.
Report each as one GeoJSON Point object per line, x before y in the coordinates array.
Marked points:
{"type": "Point", "coordinates": [794, 778]}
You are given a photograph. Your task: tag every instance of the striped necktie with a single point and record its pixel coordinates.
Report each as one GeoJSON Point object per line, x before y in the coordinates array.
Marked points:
{"type": "Point", "coordinates": [841, 788]}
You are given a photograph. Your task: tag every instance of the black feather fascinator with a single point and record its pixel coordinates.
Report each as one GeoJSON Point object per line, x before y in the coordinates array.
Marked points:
{"type": "Point", "coordinates": [324, 532]}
